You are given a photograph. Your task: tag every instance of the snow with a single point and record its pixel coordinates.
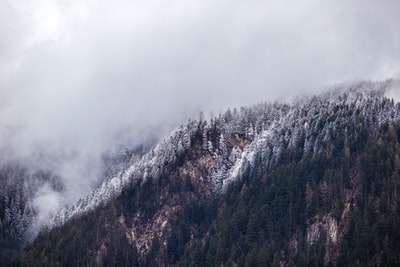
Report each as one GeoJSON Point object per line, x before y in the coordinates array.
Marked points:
{"type": "Point", "coordinates": [269, 129]}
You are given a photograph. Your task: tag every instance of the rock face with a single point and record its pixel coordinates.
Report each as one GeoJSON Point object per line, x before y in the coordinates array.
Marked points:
{"type": "Point", "coordinates": [275, 183]}
{"type": "Point", "coordinates": [327, 224]}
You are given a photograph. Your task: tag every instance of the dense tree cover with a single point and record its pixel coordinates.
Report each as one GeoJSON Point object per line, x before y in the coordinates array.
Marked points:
{"type": "Point", "coordinates": [90, 240]}
{"type": "Point", "coordinates": [261, 220]}
{"type": "Point", "coordinates": [18, 186]}
{"type": "Point", "coordinates": [231, 139]}
{"type": "Point", "coordinates": [99, 237]}
{"type": "Point", "coordinates": [21, 183]}
{"type": "Point", "coordinates": [310, 184]}
{"type": "Point", "coordinates": [267, 225]}
{"type": "Point", "coordinates": [373, 232]}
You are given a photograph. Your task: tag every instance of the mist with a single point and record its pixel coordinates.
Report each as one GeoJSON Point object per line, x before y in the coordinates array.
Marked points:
{"type": "Point", "coordinates": [75, 75]}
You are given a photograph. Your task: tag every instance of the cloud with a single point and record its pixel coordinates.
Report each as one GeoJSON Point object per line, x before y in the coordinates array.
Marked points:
{"type": "Point", "coordinates": [393, 92]}
{"type": "Point", "coordinates": [74, 74]}
{"type": "Point", "coordinates": [47, 202]}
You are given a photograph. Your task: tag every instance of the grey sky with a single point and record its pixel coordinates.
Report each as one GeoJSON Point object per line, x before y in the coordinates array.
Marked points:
{"type": "Point", "coordinates": [74, 73]}
{"type": "Point", "coordinates": [91, 63]}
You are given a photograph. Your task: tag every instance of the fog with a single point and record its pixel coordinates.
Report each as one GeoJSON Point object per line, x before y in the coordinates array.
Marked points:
{"type": "Point", "coordinates": [75, 74]}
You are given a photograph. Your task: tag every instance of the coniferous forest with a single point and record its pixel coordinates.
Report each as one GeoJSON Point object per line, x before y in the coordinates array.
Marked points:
{"type": "Point", "coordinates": [199, 133]}
{"type": "Point", "coordinates": [319, 188]}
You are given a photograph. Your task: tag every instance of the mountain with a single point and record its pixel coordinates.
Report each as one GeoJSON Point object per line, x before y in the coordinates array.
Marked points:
{"type": "Point", "coordinates": [313, 182]}
{"type": "Point", "coordinates": [18, 188]}
{"type": "Point", "coordinates": [23, 188]}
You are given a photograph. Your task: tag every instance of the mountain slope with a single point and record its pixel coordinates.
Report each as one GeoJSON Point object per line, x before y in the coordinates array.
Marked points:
{"type": "Point", "coordinates": [338, 210]}
{"type": "Point", "coordinates": [274, 183]}
{"type": "Point", "coordinates": [18, 188]}
{"type": "Point", "coordinates": [233, 139]}
{"type": "Point", "coordinates": [27, 187]}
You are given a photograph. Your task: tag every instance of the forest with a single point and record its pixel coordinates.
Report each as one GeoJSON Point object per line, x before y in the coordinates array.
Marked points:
{"type": "Point", "coordinates": [308, 184]}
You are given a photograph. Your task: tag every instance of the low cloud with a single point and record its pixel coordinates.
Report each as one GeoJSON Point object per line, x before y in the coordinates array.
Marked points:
{"type": "Point", "coordinates": [46, 202]}
{"type": "Point", "coordinates": [394, 91]}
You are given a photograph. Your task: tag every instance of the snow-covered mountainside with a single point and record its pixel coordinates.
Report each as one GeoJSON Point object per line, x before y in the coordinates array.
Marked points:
{"type": "Point", "coordinates": [24, 184]}
{"type": "Point", "coordinates": [235, 140]}
{"type": "Point", "coordinates": [310, 182]}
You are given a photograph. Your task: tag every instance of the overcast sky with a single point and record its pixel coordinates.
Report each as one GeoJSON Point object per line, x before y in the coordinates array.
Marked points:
{"type": "Point", "coordinates": [75, 72]}
{"type": "Point", "coordinates": [90, 67]}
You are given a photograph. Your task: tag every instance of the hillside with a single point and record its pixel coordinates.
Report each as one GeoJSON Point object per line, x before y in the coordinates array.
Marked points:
{"type": "Point", "coordinates": [24, 190]}
{"type": "Point", "coordinates": [18, 187]}
{"type": "Point", "coordinates": [313, 182]}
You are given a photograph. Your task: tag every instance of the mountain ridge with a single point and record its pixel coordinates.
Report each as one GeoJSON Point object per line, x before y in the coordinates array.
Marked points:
{"type": "Point", "coordinates": [176, 200]}
{"type": "Point", "coordinates": [179, 140]}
